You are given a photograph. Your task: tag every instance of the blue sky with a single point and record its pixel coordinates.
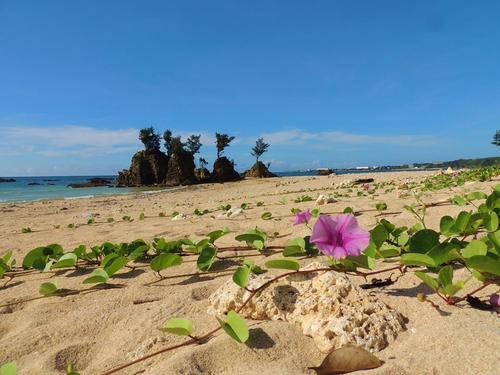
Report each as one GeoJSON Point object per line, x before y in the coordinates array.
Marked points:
{"type": "Point", "coordinates": [327, 83]}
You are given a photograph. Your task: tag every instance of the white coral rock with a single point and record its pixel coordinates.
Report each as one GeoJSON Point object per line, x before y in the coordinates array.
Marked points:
{"type": "Point", "coordinates": [235, 211]}
{"type": "Point", "coordinates": [327, 306]}
{"type": "Point", "coordinates": [323, 199]}
{"type": "Point", "coordinates": [179, 217]}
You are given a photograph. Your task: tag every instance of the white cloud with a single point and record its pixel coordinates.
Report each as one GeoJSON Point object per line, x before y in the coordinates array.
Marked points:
{"type": "Point", "coordinates": [320, 139]}
{"type": "Point", "coordinates": [69, 136]}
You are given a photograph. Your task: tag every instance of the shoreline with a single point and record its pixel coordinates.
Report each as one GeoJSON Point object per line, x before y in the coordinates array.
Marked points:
{"type": "Point", "coordinates": [152, 190]}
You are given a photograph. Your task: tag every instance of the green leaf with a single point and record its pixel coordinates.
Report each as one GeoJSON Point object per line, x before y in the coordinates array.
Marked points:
{"type": "Point", "coordinates": [266, 216]}
{"type": "Point", "coordinates": [8, 369]}
{"type": "Point", "coordinates": [379, 235]}
{"type": "Point", "coordinates": [36, 258]}
{"type": "Point", "coordinates": [98, 276]}
{"type": "Point", "coordinates": [216, 234]}
{"type": "Point", "coordinates": [452, 289]}
{"type": "Point", "coordinates": [113, 262]}
{"type": "Point", "coordinates": [235, 326]}
{"type": "Point", "coordinates": [248, 237]}
{"type": "Point", "coordinates": [459, 200]}
{"type": "Point", "coordinates": [348, 210]}
{"type": "Point", "coordinates": [389, 251]}
{"type": "Point", "coordinates": [445, 252]}
{"type": "Point", "coordinates": [285, 264]}
{"type": "Point", "coordinates": [475, 196]}
{"type": "Point", "coordinates": [48, 289]}
{"type": "Point", "coordinates": [416, 259]}
{"type": "Point", "coordinates": [206, 258]}
{"type": "Point", "coordinates": [241, 276]}
{"type": "Point", "coordinates": [490, 221]}
{"type": "Point", "coordinates": [381, 206]}
{"type": "Point", "coordinates": [363, 261]}
{"type": "Point", "coordinates": [67, 260]}
{"type": "Point", "coordinates": [483, 263]}
{"type": "Point", "coordinates": [178, 326]}
{"type": "Point", "coordinates": [445, 276]}
{"type": "Point", "coordinates": [423, 241]}
{"type": "Point", "coordinates": [430, 281]}
{"type": "Point", "coordinates": [165, 260]}
{"type": "Point", "coordinates": [462, 221]}
{"type": "Point", "coordinates": [315, 212]}
{"type": "Point", "coordinates": [296, 247]}
{"type": "Point", "coordinates": [446, 225]}
{"type": "Point", "coordinates": [474, 248]}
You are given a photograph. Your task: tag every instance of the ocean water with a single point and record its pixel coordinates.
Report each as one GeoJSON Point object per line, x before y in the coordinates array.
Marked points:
{"type": "Point", "coordinates": [55, 187]}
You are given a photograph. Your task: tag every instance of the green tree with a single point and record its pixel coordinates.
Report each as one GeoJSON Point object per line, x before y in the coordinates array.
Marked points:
{"type": "Point", "coordinates": [193, 144]}
{"type": "Point", "coordinates": [222, 141]}
{"type": "Point", "coordinates": [177, 146]}
{"type": "Point", "coordinates": [496, 138]}
{"type": "Point", "coordinates": [203, 162]}
{"type": "Point", "coordinates": [150, 139]}
{"type": "Point", "coordinates": [260, 148]}
{"type": "Point", "coordinates": [167, 137]}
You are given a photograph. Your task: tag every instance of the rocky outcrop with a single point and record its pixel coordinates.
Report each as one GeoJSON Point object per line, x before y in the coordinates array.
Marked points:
{"type": "Point", "coordinates": [259, 170]}
{"type": "Point", "coordinates": [93, 182]}
{"type": "Point", "coordinates": [327, 306]}
{"type": "Point", "coordinates": [5, 180]}
{"type": "Point", "coordinates": [147, 168]}
{"type": "Point", "coordinates": [202, 175]}
{"type": "Point", "coordinates": [180, 170]}
{"type": "Point", "coordinates": [224, 171]}
{"type": "Point", "coordinates": [325, 171]}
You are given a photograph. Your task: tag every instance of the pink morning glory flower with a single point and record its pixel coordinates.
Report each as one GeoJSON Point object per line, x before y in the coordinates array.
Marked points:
{"type": "Point", "coordinates": [495, 300]}
{"type": "Point", "coordinates": [302, 217]}
{"type": "Point", "coordinates": [339, 236]}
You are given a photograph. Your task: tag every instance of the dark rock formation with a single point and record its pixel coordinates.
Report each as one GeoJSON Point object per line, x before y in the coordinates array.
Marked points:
{"type": "Point", "coordinates": [363, 181]}
{"type": "Point", "coordinates": [93, 182]}
{"type": "Point", "coordinates": [5, 180]}
{"type": "Point", "coordinates": [224, 171]}
{"type": "Point", "coordinates": [325, 171]}
{"type": "Point", "coordinates": [33, 184]}
{"type": "Point", "coordinates": [147, 168]}
{"type": "Point", "coordinates": [202, 175]}
{"type": "Point", "coordinates": [180, 170]}
{"type": "Point", "coordinates": [259, 170]}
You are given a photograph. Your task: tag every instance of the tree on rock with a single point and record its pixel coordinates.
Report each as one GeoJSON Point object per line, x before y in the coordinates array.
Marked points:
{"type": "Point", "coordinates": [496, 138]}
{"type": "Point", "coordinates": [167, 137]}
{"type": "Point", "coordinates": [222, 141]}
{"type": "Point", "coordinates": [260, 148]}
{"type": "Point", "coordinates": [193, 144]}
{"type": "Point", "coordinates": [203, 162]}
{"type": "Point", "coordinates": [150, 138]}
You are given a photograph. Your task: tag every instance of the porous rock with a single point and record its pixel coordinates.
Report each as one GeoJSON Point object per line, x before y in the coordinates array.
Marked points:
{"type": "Point", "coordinates": [327, 306]}
{"type": "Point", "coordinates": [224, 171]}
{"type": "Point", "coordinates": [259, 170]}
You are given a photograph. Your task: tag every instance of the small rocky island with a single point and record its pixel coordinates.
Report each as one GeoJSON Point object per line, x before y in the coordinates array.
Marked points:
{"type": "Point", "coordinates": [93, 182]}
{"type": "Point", "coordinates": [177, 167]}
{"type": "Point", "coordinates": [6, 180]}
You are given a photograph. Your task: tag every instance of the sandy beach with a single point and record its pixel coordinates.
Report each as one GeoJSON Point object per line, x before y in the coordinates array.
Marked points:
{"type": "Point", "coordinates": [104, 328]}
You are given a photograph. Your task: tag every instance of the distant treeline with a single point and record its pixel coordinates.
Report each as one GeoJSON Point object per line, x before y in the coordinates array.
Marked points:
{"type": "Point", "coordinates": [456, 164]}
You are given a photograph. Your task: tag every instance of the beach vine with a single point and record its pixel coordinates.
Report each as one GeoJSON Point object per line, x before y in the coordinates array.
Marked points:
{"type": "Point", "coordinates": [468, 241]}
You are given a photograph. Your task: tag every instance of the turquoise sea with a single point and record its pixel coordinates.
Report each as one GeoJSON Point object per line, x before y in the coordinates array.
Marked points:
{"type": "Point", "coordinates": [56, 187]}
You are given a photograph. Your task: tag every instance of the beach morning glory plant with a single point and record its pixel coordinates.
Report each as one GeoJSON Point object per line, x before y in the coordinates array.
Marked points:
{"type": "Point", "coordinates": [302, 217]}
{"type": "Point", "coordinates": [339, 236]}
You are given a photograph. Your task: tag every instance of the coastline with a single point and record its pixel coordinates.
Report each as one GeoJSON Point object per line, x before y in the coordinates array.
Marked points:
{"type": "Point", "coordinates": [67, 192]}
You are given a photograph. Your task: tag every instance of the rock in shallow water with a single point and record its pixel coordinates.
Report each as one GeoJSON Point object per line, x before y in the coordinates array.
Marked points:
{"type": "Point", "coordinates": [327, 306]}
